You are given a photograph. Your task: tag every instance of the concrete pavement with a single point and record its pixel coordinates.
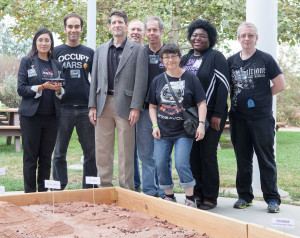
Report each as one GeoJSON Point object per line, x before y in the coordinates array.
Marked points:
{"type": "Point", "coordinates": [256, 214]}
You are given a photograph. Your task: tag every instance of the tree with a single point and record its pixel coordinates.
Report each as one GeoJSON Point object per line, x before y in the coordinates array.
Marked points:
{"type": "Point", "coordinates": [9, 44]}
{"type": "Point", "coordinates": [177, 14]}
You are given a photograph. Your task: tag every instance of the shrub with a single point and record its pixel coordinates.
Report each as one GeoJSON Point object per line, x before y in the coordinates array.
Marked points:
{"type": "Point", "coordinates": [288, 101]}
{"type": "Point", "coordinates": [8, 65]}
{"type": "Point", "coordinates": [8, 92]}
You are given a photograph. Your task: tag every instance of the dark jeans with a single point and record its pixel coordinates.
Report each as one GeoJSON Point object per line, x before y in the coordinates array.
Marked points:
{"type": "Point", "coordinates": [204, 164]}
{"type": "Point", "coordinates": [71, 117]}
{"type": "Point", "coordinates": [38, 140]}
{"type": "Point", "coordinates": [255, 135]}
{"type": "Point", "coordinates": [137, 176]}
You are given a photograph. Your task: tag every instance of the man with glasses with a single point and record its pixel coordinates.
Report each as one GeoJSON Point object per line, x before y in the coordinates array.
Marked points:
{"type": "Point", "coordinates": [145, 142]}
{"type": "Point", "coordinates": [77, 63]}
{"type": "Point", "coordinates": [252, 125]}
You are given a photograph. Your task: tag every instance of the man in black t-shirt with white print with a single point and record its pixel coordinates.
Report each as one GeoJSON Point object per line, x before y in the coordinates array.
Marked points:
{"type": "Point", "coordinates": [154, 29]}
{"type": "Point", "coordinates": [252, 125]}
{"type": "Point", "coordinates": [77, 63]}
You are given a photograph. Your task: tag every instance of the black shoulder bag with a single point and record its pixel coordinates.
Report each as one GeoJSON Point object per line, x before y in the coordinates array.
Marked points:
{"type": "Point", "coordinates": [190, 115]}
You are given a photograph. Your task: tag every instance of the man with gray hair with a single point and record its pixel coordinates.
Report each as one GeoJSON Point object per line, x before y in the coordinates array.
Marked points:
{"type": "Point", "coordinates": [136, 33]}
{"type": "Point", "coordinates": [252, 125]}
{"type": "Point", "coordinates": [145, 142]}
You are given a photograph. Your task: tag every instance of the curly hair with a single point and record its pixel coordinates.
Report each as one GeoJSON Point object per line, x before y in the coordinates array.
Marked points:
{"type": "Point", "coordinates": [205, 25]}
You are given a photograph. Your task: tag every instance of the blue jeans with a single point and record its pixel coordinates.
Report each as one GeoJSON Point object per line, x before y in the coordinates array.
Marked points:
{"type": "Point", "coordinates": [137, 177]}
{"type": "Point", "coordinates": [145, 146]}
{"type": "Point", "coordinates": [162, 151]}
{"type": "Point", "coordinates": [71, 117]}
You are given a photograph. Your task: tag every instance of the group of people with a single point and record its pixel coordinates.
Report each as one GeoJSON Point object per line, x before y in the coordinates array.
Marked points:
{"type": "Point", "coordinates": [141, 92]}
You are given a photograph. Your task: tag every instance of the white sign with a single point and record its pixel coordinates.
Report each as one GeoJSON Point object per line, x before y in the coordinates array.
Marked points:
{"type": "Point", "coordinates": [52, 184]}
{"type": "Point", "coordinates": [2, 189]}
{"type": "Point", "coordinates": [2, 171]}
{"type": "Point", "coordinates": [283, 222]}
{"type": "Point", "coordinates": [92, 180]}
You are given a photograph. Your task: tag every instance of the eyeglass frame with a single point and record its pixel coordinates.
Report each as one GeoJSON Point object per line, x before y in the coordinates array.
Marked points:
{"type": "Point", "coordinates": [196, 36]}
{"type": "Point", "coordinates": [173, 57]}
{"type": "Point", "coordinates": [249, 36]}
{"type": "Point", "coordinates": [41, 41]}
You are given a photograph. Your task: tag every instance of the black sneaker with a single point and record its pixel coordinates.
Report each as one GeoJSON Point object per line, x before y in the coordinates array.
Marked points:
{"type": "Point", "coordinates": [241, 203]}
{"type": "Point", "coordinates": [273, 207]}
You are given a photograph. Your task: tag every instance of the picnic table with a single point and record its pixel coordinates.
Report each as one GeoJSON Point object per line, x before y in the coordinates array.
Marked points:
{"type": "Point", "coordinates": [10, 126]}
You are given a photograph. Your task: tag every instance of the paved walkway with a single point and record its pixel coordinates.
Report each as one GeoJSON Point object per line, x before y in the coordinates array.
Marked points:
{"type": "Point", "coordinates": [256, 214]}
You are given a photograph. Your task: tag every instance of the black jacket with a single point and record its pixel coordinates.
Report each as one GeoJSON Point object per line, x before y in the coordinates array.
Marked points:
{"type": "Point", "coordinates": [214, 77]}
{"type": "Point", "coordinates": [29, 104]}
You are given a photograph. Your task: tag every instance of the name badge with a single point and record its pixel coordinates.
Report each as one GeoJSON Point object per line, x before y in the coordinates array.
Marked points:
{"type": "Point", "coordinates": [75, 73]}
{"type": "Point", "coordinates": [250, 103]}
{"type": "Point", "coordinates": [241, 75]}
{"type": "Point", "coordinates": [197, 63]}
{"type": "Point", "coordinates": [31, 72]}
{"type": "Point", "coordinates": [153, 59]}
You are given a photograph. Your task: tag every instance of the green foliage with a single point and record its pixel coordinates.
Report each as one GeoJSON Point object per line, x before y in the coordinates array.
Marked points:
{"type": "Point", "coordinates": [9, 95]}
{"type": "Point", "coordinates": [177, 14]}
{"type": "Point", "coordinates": [288, 101]}
{"type": "Point", "coordinates": [9, 44]}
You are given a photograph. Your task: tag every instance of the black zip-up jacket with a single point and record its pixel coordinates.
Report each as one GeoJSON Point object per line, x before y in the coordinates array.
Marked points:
{"type": "Point", "coordinates": [214, 77]}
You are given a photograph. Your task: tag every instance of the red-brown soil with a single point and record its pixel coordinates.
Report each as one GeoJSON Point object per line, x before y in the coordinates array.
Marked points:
{"type": "Point", "coordinates": [83, 220]}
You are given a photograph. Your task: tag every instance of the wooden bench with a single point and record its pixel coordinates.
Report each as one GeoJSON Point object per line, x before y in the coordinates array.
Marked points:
{"type": "Point", "coordinates": [11, 127]}
{"type": "Point", "coordinates": [10, 131]}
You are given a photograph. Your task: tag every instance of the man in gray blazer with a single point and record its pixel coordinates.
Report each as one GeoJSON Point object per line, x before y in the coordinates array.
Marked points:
{"type": "Point", "coordinates": [117, 93]}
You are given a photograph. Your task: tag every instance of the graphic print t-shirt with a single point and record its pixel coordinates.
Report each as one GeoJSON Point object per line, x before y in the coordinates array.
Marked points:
{"type": "Point", "coordinates": [46, 106]}
{"type": "Point", "coordinates": [77, 64]}
{"type": "Point", "coordinates": [188, 91]}
{"type": "Point", "coordinates": [193, 64]}
{"type": "Point", "coordinates": [251, 95]}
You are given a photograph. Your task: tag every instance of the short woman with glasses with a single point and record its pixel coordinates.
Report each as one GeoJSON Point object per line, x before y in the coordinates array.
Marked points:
{"type": "Point", "coordinates": [167, 121]}
{"type": "Point", "coordinates": [212, 70]}
{"type": "Point", "coordinates": [39, 109]}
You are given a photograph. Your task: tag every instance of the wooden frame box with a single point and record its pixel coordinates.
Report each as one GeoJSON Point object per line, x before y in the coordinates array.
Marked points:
{"type": "Point", "coordinates": [212, 224]}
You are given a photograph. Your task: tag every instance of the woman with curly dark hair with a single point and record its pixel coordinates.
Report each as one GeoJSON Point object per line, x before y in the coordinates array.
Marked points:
{"type": "Point", "coordinates": [211, 68]}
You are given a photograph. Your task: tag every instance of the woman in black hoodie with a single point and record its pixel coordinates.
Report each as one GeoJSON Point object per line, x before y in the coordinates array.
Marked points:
{"type": "Point", "coordinates": [211, 68]}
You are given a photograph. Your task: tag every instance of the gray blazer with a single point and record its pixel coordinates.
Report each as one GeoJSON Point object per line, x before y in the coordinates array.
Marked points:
{"type": "Point", "coordinates": [130, 84]}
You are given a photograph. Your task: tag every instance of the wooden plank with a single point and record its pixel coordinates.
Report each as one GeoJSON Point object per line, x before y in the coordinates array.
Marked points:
{"type": "Point", "coordinates": [212, 224]}
{"type": "Point", "coordinates": [191, 218]}
{"type": "Point", "coordinates": [102, 195]}
{"type": "Point", "coordinates": [256, 231]}
{"type": "Point", "coordinates": [9, 110]}
{"type": "Point", "coordinates": [10, 128]}
{"type": "Point", "coordinates": [17, 144]}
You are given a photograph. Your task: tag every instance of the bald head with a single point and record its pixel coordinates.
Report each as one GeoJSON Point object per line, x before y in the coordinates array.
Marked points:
{"type": "Point", "coordinates": [136, 31]}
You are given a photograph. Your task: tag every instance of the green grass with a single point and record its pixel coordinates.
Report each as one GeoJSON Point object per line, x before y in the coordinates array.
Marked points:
{"type": "Point", "coordinates": [288, 164]}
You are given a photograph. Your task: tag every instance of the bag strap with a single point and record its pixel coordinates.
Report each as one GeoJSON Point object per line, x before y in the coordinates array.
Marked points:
{"type": "Point", "coordinates": [171, 90]}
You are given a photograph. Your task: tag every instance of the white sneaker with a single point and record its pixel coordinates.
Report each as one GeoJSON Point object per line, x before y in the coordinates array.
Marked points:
{"type": "Point", "coordinates": [190, 203]}
{"type": "Point", "coordinates": [170, 199]}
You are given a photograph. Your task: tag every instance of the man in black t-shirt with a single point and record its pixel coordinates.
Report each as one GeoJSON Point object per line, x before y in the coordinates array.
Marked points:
{"type": "Point", "coordinates": [144, 139]}
{"type": "Point", "coordinates": [77, 63]}
{"type": "Point", "coordinates": [251, 122]}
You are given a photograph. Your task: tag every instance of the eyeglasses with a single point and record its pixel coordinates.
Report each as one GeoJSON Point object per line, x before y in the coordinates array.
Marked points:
{"type": "Point", "coordinates": [173, 57]}
{"type": "Point", "coordinates": [195, 36]}
{"type": "Point", "coordinates": [250, 36]}
{"type": "Point", "coordinates": [41, 41]}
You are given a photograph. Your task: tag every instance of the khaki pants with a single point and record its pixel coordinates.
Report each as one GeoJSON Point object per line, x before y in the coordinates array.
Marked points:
{"type": "Point", "coordinates": [105, 141]}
